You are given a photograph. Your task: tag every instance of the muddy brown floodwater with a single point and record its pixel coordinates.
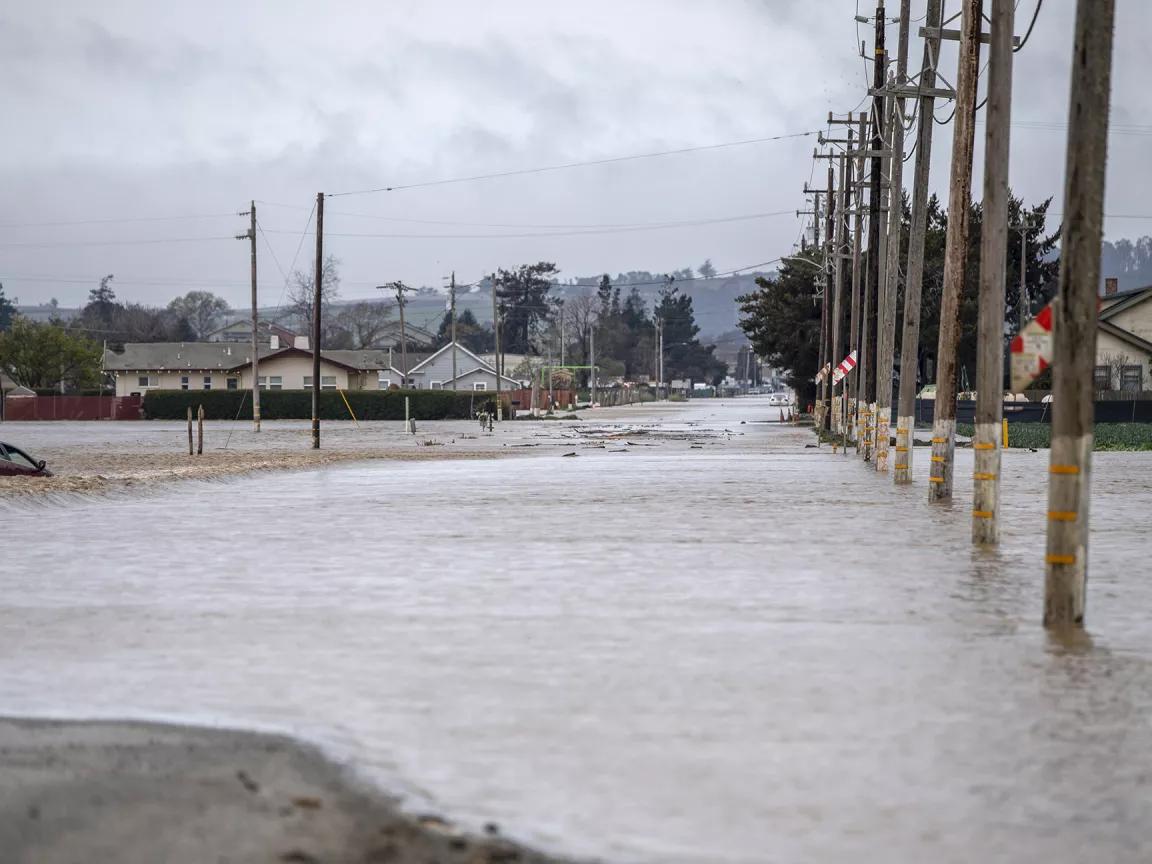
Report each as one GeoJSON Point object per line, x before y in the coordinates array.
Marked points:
{"type": "Point", "coordinates": [697, 641]}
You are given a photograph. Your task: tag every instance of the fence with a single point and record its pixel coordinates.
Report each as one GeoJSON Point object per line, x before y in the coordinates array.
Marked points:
{"type": "Point", "coordinates": [72, 407]}
{"type": "Point", "coordinates": [1107, 411]}
{"type": "Point", "coordinates": [521, 399]}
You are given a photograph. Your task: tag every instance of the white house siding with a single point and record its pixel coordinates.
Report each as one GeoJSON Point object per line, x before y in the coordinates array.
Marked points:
{"type": "Point", "coordinates": [439, 368]}
{"type": "Point", "coordinates": [468, 381]}
{"type": "Point", "coordinates": [292, 372]}
{"type": "Point", "coordinates": [128, 383]}
{"type": "Point", "coordinates": [1137, 320]}
{"type": "Point", "coordinates": [1108, 346]}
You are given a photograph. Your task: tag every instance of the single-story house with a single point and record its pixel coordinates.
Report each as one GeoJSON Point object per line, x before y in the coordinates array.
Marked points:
{"type": "Point", "coordinates": [1124, 341]}
{"type": "Point", "coordinates": [472, 373]}
{"type": "Point", "coordinates": [144, 366]}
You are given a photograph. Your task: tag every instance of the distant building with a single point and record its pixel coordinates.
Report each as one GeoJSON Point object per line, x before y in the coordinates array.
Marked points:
{"type": "Point", "coordinates": [240, 331]}
{"type": "Point", "coordinates": [1124, 341]}
{"type": "Point", "coordinates": [226, 365]}
{"type": "Point", "coordinates": [144, 366]}
{"type": "Point", "coordinates": [472, 372]}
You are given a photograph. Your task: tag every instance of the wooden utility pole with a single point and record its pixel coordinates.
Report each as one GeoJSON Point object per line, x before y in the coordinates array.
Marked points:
{"type": "Point", "coordinates": [401, 302]}
{"type": "Point", "coordinates": [914, 274]}
{"type": "Point", "coordinates": [830, 252]}
{"type": "Point", "coordinates": [592, 362]}
{"type": "Point", "coordinates": [255, 325]}
{"type": "Point", "coordinates": [1074, 321]}
{"type": "Point", "coordinates": [993, 272]}
{"type": "Point", "coordinates": [838, 295]}
{"type": "Point", "coordinates": [853, 379]}
{"type": "Point", "coordinates": [955, 254]}
{"type": "Point", "coordinates": [452, 321]}
{"type": "Point", "coordinates": [317, 297]}
{"type": "Point", "coordinates": [821, 358]}
{"type": "Point", "coordinates": [496, 347]}
{"type": "Point", "coordinates": [873, 286]}
{"type": "Point", "coordinates": [887, 340]}
{"type": "Point", "coordinates": [1024, 312]}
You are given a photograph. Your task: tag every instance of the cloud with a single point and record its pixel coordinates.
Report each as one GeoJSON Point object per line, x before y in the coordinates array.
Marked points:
{"type": "Point", "coordinates": [129, 109]}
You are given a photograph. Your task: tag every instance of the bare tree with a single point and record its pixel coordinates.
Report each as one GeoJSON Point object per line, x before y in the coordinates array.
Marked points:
{"type": "Point", "coordinates": [581, 312]}
{"type": "Point", "coordinates": [365, 322]}
{"type": "Point", "coordinates": [301, 295]}
{"type": "Point", "coordinates": [201, 309]}
{"type": "Point", "coordinates": [1116, 364]}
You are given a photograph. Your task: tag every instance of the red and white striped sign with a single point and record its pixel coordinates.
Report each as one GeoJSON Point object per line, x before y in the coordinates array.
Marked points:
{"type": "Point", "coordinates": [1032, 349]}
{"type": "Point", "coordinates": [823, 373]}
{"type": "Point", "coordinates": [846, 366]}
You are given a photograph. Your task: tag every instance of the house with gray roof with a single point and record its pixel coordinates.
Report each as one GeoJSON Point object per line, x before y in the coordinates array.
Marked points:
{"type": "Point", "coordinates": [144, 366]}
{"type": "Point", "coordinates": [471, 372]}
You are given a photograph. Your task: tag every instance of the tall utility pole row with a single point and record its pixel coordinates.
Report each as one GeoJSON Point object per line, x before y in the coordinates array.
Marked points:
{"type": "Point", "coordinates": [874, 289]}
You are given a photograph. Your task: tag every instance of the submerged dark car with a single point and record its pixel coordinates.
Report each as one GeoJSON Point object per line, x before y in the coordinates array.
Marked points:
{"type": "Point", "coordinates": [15, 462]}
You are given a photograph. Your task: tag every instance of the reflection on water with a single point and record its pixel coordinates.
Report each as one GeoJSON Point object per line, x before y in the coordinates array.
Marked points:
{"type": "Point", "coordinates": [747, 652]}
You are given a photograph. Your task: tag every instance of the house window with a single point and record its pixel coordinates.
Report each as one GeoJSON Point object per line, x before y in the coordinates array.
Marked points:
{"type": "Point", "coordinates": [1132, 379]}
{"type": "Point", "coordinates": [479, 385]}
{"type": "Point", "coordinates": [183, 382]}
{"type": "Point", "coordinates": [327, 382]}
{"type": "Point", "coordinates": [1102, 378]}
{"type": "Point", "coordinates": [271, 382]}
{"type": "Point", "coordinates": [437, 385]}
{"type": "Point", "coordinates": [147, 381]}
{"type": "Point", "coordinates": [233, 383]}
{"type": "Point", "coordinates": [207, 382]}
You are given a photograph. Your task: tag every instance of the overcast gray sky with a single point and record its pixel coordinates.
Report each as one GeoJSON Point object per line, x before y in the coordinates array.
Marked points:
{"type": "Point", "coordinates": [134, 110]}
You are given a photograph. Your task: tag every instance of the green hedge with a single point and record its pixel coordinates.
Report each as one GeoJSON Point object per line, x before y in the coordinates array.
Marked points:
{"type": "Point", "coordinates": [297, 404]}
{"type": "Point", "coordinates": [1108, 436]}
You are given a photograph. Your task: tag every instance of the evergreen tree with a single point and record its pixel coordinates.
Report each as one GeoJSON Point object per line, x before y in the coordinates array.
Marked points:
{"type": "Point", "coordinates": [7, 311]}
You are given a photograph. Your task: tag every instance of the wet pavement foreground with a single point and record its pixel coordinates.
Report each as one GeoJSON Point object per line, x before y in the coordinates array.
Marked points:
{"type": "Point", "coordinates": [695, 641]}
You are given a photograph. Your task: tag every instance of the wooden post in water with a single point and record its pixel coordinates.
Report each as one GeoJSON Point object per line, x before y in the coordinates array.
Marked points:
{"type": "Point", "coordinates": [993, 271]}
{"type": "Point", "coordinates": [875, 230]}
{"type": "Point", "coordinates": [955, 255]}
{"type": "Point", "coordinates": [831, 252]}
{"type": "Point", "coordinates": [914, 275]}
{"type": "Point", "coordinates": [190, 450]}
{"type": "Point", "coordinates": [1074, 319]}
{"type": "Point", "coordinates": [885, 356]}
{"type": "Point", "coordinates": [200, 431]}
{"type": "Point", "coordinates": [853, 379]}
{"type": "Point", "coordinates": [838, 298]}
{"type": "Point", "coordinates": [317, 307]}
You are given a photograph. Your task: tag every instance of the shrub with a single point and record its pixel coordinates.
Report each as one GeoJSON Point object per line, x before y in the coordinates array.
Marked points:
{"type": "Point", "coordinates": [1109, 436]}
{"type": "Point", "coordinates": [297, 404]}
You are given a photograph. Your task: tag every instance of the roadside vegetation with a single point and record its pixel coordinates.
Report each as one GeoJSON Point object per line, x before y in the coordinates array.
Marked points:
{"type": "Point", "coordinates": [1109, 436]}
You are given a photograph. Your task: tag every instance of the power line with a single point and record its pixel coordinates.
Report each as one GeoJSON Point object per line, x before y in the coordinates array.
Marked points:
{"type": "Point", "coordinates": [585, 226]}
{"type": "Point", "coordinates": [70, 243]}
{"type": "Point", "coordinates": [1024, 41]}
{"type": "Point", "coordinates": [533, 234]}
{"type": "Point", "coordinates": [133, 219]}
{"type": "Point", "coordinates": [581, 164]}
{"type": "Point", "coordinates": [291, 267]}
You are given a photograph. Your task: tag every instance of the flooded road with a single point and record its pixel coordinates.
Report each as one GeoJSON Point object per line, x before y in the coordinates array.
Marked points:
{"type": "Point", "coordinates": [724, 647]}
